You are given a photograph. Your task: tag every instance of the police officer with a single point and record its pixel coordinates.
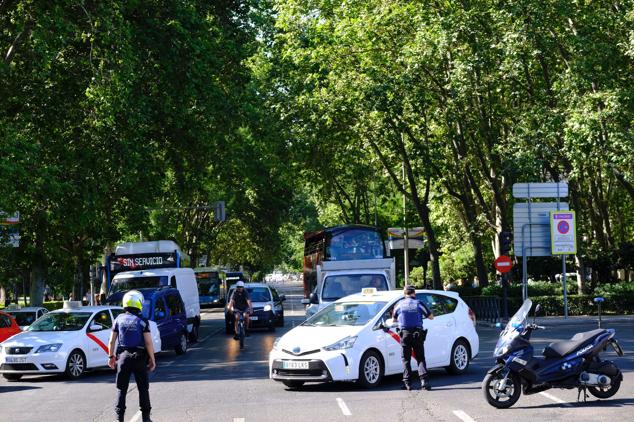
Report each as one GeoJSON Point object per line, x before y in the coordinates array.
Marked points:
{"type": "Point", "coordinates": [410, 313]}
{"type": "Point", "coordinates": [134, 354]}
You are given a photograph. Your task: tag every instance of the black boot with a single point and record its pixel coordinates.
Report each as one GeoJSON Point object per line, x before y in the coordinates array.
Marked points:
{"type": "Point", "coordinates": [146, 417]}
{"type": "Point", "coordinates": [424, 384]}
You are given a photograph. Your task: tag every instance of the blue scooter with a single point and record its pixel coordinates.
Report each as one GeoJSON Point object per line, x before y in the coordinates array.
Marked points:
{"type": "Point", "coordinates": [573, 363]}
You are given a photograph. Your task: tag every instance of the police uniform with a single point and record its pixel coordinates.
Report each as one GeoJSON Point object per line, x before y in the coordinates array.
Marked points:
{"type": "Point", "coordinates": [132, 358]}
{"type": "Point", "coordinates": [410, 313]}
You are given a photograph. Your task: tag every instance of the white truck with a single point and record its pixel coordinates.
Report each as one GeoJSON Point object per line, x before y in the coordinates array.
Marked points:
{"type": "Point", "coordinates": [336, 279]}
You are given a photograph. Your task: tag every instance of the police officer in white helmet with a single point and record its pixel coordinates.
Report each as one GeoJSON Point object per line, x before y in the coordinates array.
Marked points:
{"type": "Point", "coordinates": [134, 354]}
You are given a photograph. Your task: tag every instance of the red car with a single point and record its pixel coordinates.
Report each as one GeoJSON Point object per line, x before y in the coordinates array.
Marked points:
{"type": "Point", "coordinates": [8, 326]}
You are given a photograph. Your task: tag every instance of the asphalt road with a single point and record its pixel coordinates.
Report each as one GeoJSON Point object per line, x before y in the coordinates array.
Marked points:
{"type": "Point", "coordinates": [216, 381]}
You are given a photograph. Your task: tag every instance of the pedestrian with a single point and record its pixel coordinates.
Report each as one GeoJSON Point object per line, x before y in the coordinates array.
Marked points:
{"type": "Point", "coordinates": [410, 313]}
{"type": "Point", "coordinates": [134, 354]}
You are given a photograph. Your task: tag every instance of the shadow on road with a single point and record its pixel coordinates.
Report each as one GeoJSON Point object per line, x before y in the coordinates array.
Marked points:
{"type": "Point", "coordinates": [589, 404]}
{"type": "Point", "coordinates": [15, 388]}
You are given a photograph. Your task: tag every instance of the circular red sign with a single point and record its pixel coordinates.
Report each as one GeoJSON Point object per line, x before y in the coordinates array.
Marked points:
{"type": "Point", "coordinates": [503, 264]}
{"type": "Point", "coordinates": [563, 227]}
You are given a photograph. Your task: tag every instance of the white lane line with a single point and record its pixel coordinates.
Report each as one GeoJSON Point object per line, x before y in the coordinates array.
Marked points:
{"type": "Point", "coordinates": [556, 399]}
{"type": "Point", "coordinates": [463, 416]}
{"type": "Point", "coordinates": [343, 407]}
{"type": "Point", "coordinates": [136, 417]}
{"type": "Point", "coordinates": [238, 419]}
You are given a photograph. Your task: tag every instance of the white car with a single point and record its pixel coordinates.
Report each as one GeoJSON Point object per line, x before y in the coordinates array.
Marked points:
{"type": "Point", "coordinates": [26, 316]}
{"type": "Point", "coordinates": [68, 340]}
{"type": "Point", "coordinates": [355, 339]}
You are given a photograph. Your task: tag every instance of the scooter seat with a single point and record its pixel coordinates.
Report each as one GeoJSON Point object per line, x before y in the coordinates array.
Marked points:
{"type": "Point", "coordinates": [560, 349]}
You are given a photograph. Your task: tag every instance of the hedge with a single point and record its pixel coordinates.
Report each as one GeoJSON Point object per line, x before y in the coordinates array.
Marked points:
{"type": "Point", "coordinates": [577, 304]}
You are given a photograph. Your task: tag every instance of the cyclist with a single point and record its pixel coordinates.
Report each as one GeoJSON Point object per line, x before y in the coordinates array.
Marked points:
{"type": "Point", "coordinates": [240, 303]}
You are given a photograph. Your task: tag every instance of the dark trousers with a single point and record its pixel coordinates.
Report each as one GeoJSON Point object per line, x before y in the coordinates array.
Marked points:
{"type": "Point", "coordinates": [413, 340]}
{"type": "Point", "coordinates": [128, 364]}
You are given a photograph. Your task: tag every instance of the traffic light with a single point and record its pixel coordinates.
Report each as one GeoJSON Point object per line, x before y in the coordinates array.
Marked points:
{"type": "Point", "coordinates": [506, 240]}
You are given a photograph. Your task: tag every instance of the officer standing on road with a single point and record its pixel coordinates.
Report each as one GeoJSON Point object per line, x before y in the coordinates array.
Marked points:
{"type": "Point", "coordinates": [410, 313]}
{"type": "Point", "coordinates": [134, 354]}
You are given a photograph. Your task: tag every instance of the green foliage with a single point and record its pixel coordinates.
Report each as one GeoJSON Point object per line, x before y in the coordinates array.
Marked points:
{"type": "Point", "coordinates": [416, 277]}
{"type": "Point", "coordinates": [537, 288]}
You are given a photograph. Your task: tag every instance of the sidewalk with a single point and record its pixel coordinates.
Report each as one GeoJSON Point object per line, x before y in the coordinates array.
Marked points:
{"type": "Point", "coordinates": [572, 320]}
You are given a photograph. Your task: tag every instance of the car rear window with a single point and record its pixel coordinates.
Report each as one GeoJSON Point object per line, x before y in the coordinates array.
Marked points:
{"type": "Point", "coordinates": [439, 304]}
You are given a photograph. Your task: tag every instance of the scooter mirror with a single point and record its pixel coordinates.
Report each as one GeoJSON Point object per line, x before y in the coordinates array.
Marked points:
{"type": "Point", "coordinates": [537, 309]}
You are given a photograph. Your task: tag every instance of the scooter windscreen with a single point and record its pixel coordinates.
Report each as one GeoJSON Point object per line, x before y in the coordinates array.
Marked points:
{"type": "Point", "coordinates": [513, 329]}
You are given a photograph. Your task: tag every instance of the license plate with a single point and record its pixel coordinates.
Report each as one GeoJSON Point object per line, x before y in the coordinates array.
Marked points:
{"type": "Point", "coordinates": [15, 360]}
{"type": "Point", "coordinates": [253, 318]}
{"type": "Point", "coordinates": [291, 364]}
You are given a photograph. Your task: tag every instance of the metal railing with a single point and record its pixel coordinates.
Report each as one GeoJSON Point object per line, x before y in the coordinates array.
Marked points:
{"type": "Point", "coordinates": [486, 308]}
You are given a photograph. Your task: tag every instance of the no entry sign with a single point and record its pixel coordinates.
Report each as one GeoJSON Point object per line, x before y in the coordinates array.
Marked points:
{"type": "Point", "coordinates": [503, 264]}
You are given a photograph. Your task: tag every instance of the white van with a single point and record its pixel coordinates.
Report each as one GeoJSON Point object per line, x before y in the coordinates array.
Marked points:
{"type": "Point", "coordinates": [183, 279]}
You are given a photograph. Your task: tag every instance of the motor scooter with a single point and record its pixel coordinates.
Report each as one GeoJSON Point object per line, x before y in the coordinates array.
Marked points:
{"type": "Point", "coordinates": [569, 364]}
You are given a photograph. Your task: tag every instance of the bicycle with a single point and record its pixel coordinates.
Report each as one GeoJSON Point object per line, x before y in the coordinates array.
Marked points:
{"type": "Point", "coordinates": [241, 330]}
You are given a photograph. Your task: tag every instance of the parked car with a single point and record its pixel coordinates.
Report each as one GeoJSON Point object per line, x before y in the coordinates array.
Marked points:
{"type": "Point", "coordinates": [8, 326]}
{"type": "Point", "coordinates": [165, 306]}
{"type": "Point", "coordinates": [268, 307]}
{"type": "Point", "coordinates": [354, 339]}
{"type": "Point", "coordinates": [182, 279]}
{"type": "Point", "coordinates": [69, 340]}
{"type": "Point", "coordinates": [26, 316]}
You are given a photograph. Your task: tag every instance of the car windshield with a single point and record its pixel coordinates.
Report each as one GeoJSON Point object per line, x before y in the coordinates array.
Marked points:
{"type": "Point", "coordinates": [24, 317]}
{"type": "Point", "coordinates": [132, 283]}
{"type": "Point", "coordinates": [61, 321]}
{"type": "Point", "coordinates": [345, 314]}
{"type": "Point", "coordinates": [338, 286]}
{"type": "Point", "coordinates": [256, 294]}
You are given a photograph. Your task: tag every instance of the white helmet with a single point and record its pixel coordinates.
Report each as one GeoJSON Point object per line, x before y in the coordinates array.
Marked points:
{"type": "Point", "coordinates": [133, 299]}
{"type": "Point", "coordinates": [240, 283]}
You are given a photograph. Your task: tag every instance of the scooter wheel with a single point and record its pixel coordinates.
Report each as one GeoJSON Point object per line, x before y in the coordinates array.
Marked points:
{"type": "Point", "coordinates": [501, 399]}
{"type": "Point", "coordinates": [606, 392]}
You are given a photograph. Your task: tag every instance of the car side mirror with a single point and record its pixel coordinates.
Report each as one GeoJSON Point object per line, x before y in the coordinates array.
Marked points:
{"type": "Point", "coordinates": [390, 323]}
{"type": "Point", "coordinates": [282, 298]}
{"type": "Point", "coordinates": [314, 299]}
{"type": "Point", "coordinates": [95, 327]}
{"type": "Point", "coordinates": [305, 302]}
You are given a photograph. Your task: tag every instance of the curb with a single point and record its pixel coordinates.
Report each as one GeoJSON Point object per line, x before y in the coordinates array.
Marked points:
{"type": "Point", "coordinates": [570, 321]}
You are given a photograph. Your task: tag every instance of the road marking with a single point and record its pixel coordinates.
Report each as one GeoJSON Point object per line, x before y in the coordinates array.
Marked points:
{"type": "Point", "coordinates": [343, 407]}
{"type": "Point", "coordinates": [136, 417]}
{"type": "Point", "coordinates": [556, 399]}
{"type": "Point", "coordinates": [463, 416]}
{"type": "Point", "coordinates": [238, 419]}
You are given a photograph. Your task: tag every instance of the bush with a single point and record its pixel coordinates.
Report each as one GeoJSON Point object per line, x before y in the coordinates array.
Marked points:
{"type": "Point", "coordinates": [536, 288]}
{"type": "Point", "coordinates": [53, 305]}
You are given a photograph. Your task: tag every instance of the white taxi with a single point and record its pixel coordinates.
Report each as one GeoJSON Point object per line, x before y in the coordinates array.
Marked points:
{"type": "Point", "coordinates": [355, 339]}
{"type": "Point", "coordinates": [68, 340]}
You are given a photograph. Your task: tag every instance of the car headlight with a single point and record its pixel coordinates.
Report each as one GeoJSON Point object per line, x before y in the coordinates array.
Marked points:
{"type": "Point", "coordinates": [49, 348]}
{"type": "Point", "coordinates": [276, 342]}
{"type": "Point", "coordinates": [267, 308]}
{"type": "Point", "coordinates": [345, 343]}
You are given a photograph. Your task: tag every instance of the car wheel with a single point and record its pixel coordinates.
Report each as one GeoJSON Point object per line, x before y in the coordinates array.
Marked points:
{"type": "Point", "coordinates": [293, 384]}
{"type": "Point", "coordinates": [370, 369]}
{"type": "Point", "coordinates": [193, 336]}
{"type": "Point", "coordinates": [181, 347]}
{"type": "Point", "coordinates": [12, 377]}
{"type": "Point", "coordinates": [459, 359]}
{"type": "Point", "coordinates": [280, 321]}
{"type": "Point", "coordinates": [75, 365]}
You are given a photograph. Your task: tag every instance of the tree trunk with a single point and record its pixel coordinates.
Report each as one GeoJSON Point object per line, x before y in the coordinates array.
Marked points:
{"type": "Point", "coordinates": [38, 276]}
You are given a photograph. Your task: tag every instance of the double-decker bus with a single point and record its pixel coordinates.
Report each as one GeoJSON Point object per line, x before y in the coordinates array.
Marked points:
{"type": "Point", "coordinates": [348, 247]}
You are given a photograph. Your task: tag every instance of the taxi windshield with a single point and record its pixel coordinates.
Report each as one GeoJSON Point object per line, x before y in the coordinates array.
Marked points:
{"type": "Point", "coordinates": [345, 314]}
{"type": "Point", "coordinates": [24, 317]}
{"type": "Point", "coordinates": [61, 321]}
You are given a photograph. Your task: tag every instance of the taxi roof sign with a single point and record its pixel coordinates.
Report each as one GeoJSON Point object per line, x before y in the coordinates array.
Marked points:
{"type": "Point", "coordinates": [368, 291]}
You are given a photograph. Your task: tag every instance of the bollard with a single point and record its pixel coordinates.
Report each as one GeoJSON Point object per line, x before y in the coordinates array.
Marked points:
{"type": "Point", "coordinates": [599, 301]}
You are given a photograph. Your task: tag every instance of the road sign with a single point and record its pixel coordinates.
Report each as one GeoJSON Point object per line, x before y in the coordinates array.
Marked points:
{"type": "Point", "coordinates": [563, 233]}
{"type": "Point", "coordinates": [540, 190]}
{"type": "Point", "coordinates": [9, 225]}
{"type": "Point", "coordinates": [503, 264]}
{"type": "Point", "coordinates": [219, 211]}
{"type": "Point", "coordinates": [415, 238]}
{"type": "Point", "coordinates": [533, 227]}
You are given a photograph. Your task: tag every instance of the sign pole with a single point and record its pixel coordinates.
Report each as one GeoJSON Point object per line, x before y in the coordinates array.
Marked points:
{"type": "Point", "coordinates": [405, 239]}
{"type": "Point", "coordinates": [563, 266]}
